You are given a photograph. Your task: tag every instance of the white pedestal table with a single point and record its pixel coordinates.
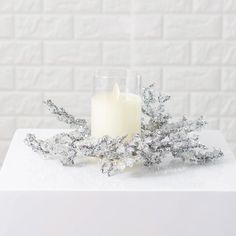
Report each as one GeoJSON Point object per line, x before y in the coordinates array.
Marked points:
{"type": "Point", "coordinates": [41, 197]}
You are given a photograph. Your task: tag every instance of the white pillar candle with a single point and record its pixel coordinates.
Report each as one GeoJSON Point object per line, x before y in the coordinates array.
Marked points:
{"type": "Point", "coordinates": [115, 114]}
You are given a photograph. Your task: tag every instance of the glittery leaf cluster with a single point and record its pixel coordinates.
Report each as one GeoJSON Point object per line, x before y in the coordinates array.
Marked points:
{"type": "Point", "coordinates": [161, 139]}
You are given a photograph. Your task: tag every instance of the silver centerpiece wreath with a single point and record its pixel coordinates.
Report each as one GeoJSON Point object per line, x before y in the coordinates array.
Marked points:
{"type": "Point", "coordinates": [160, 139]}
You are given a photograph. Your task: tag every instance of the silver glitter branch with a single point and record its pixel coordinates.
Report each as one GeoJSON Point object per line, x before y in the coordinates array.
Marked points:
{"type": "Point", "coordinates": [62, 115]}
{"type": "Point", "coordinates": [160, 140]}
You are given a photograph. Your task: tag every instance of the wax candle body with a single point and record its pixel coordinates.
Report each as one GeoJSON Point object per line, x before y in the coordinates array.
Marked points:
{"type": "Point", "coordinates": [115, 114]}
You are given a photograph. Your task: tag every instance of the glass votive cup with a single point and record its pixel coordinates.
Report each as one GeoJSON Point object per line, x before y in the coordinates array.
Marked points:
{"type": "Point", "coordinates": [116, 105]}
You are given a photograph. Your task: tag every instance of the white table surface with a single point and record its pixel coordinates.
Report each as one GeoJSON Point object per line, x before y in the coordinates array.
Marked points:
{"type": "Point", "coordinates": [79, 202]}
{"type": "Point", "coordinates": [25, 170]}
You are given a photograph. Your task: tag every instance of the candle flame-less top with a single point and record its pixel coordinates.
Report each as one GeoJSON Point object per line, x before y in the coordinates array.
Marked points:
{"type": "Point", "coordinates": [116, 91]}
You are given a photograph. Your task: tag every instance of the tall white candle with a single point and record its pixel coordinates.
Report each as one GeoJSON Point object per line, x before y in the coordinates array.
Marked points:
{"type": "Point", "coordinates": [115, 114]}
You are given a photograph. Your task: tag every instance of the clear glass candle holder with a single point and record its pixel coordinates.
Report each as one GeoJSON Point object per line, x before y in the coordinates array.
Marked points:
{"type": "Point", "coordinates": [128, 82]}
{"type": "Point", "coordinates": [116, 105]}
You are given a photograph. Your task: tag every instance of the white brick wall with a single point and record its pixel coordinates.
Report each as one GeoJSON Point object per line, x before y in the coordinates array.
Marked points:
{"type": "Point", "coordinates": [51, 48]}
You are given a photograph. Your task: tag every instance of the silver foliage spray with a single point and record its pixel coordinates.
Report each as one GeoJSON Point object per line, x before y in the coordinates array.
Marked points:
{"type": "Point", "coordinates": [160, 139]}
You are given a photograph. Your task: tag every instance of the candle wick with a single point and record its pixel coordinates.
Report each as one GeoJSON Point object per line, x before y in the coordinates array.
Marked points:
{"type": "Point", "coordinates": [116, 91]}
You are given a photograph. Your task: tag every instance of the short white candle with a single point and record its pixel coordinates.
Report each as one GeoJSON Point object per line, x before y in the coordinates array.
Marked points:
{"type": "Point", "coordinates": [115, 114]}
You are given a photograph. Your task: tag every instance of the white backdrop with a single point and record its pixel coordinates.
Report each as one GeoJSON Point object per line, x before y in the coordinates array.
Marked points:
{"type": "Point", "coordinates": [51, 48]}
